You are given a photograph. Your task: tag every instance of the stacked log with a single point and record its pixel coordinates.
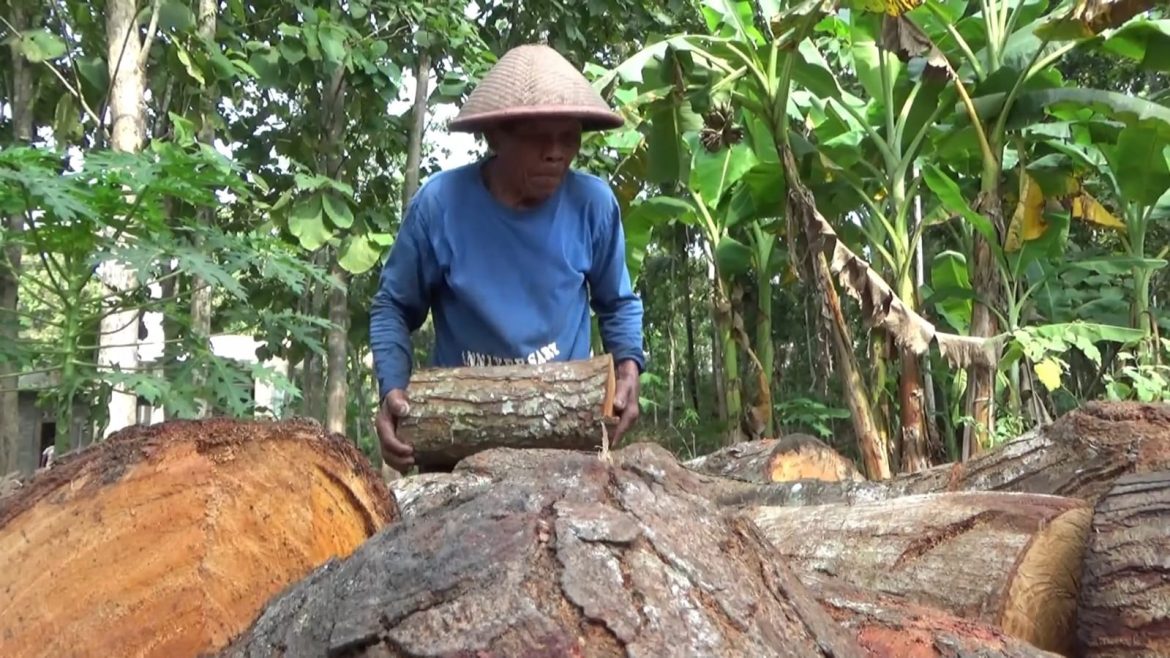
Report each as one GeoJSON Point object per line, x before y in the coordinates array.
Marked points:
{"type": "Point", "coordinates": [791, 458]}
{"type": "Point", "coordinates": [566, 554]}
{"type": "Point", "coordinates": [1125, 593]}
{"type": "Point", "coordinates": [167, 541]}
{"type": "Point", "coordinates": [1079, 455]}
{"type": "Point", "coordinates": [1008, 560]}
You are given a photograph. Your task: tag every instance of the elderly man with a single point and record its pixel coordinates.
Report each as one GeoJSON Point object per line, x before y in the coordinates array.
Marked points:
{"type": "Point", "coordinates": [510, 252]}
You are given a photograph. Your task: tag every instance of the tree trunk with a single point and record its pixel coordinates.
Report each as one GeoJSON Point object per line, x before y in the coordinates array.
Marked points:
{"type": "Point", "coordinates": [337, 358]}
{"type": "Point", "coordinates": [791, 458]}
{"type": "Point", "coordinates": [915, 452]}
{"type": "Point", "coordinates": [1126, 577]}
{"type": "Point", "coordinates": [200, 288]}
{"type": "Point", "coordinates": [1020, 554]}
{"type": "Point", "coordinates": [17, 451]}
{"type": "Point", "coordinates": [422, 72]}
{"type": "Point", "coordinates": [456, 412]}
{"type": "Point", "coordinates": [986, 282]}
{"type": "Point", "coordinates": [1080, 455]}
{"type": "Point", "coordinates": [562, 554]}
{"type": "Point", "coordinates": [118, 338]}
{"type": "Point", "coordinates": [337, 301]}
{"type": "Point", "coordinates": [167, 540]}
{"type": "Point", "coordinates": [891, 627]}
{"type": "Point", "coordinates": [800, 206]}
{"type": "Point", "coordinates": [424, 493]}
{"type": "Point", "coordinates": [688, 309]}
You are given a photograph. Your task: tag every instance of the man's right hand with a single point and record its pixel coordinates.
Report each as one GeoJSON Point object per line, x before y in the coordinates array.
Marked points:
{"type": "Point", "coordinates": [395, 452]}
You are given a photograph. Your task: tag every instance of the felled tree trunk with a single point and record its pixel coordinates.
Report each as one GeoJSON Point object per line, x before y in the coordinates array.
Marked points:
{"type": "Point", "coordinates": [561, 554]}
{"type": "Point", "coordinates": [1020, 555]}
{"type": "Point", "coordinates": [1125, 591]}
{"type": "Point", "coordinates": [793, 457]}
{"type": "Point", "coordinates": [167, 540]}
{"type": "Point", "coordinates": [891, 627]}
{"type": "Point", "coordinates": [456, 412]}
{"type": "Point", "coordinates": [426, 492]}
{"type": "Point", "coordinates": [1079, 455]}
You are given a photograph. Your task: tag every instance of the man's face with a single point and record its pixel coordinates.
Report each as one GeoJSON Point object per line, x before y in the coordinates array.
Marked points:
{"type": "Point", "coordinates": [536, 154]}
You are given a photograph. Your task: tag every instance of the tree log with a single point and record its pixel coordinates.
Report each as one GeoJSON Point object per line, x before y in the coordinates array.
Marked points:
{"type": "Point", "coordinates": [1005, 559]}
{"type": "Point", "coordinates": [791, 458]}
{"type": "Point", "coordinates": [167, 540]}
{"type": "Point", "coordinates": [888, 626]}
{"type": "Point", "coordinates": [1125, 588]}
{"type": "Point", "coordinates": [1079, 455]}
{"type": "Point", "coordinates": [426, 492]}
{"type": "Point", "coordinates": [456, 412]}
{"type": "Point", "coordinates": [563, 554]}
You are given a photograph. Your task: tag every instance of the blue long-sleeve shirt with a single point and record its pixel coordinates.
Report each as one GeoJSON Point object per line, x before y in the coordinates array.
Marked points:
{"type": "Point", "coordinates": [505, 285]}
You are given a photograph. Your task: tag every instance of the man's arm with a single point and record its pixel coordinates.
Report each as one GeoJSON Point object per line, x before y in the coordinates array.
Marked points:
{"type": "Point", "coordinates": [402, 301]}
{"type": "Point", "coordinates": [618, 307]}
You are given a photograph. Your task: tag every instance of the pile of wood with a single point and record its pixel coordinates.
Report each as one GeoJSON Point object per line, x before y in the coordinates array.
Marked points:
{"type": "Point", "coordinates": [272, 539]}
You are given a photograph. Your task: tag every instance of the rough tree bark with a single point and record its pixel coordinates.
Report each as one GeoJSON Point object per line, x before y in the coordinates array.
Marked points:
{"type": "Point", "coordinates": [456, 412]}
{"type": "Point", "coordinates": [889, 626]}
{"type": "Point", "coordinates": [1126, 580]}
{"type": "Point", "coordinates": [1079, 455]}
{"type": "Point", "coordinates": [792, 457]}
{"type": "Point", "coordinates": [17, 452]}
{"type": "Point", "coordinates": [167, 540]}
{"type": "Point", "coordinates": [126, 54]}
{"type": "Point", "coordinates": [1021, 554]}
{"type": "Point", "coordinates": [563, 554]}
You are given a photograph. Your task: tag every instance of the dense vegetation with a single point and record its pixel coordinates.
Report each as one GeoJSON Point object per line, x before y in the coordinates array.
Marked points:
{"type": "Point", "coordinates": [914, 230]}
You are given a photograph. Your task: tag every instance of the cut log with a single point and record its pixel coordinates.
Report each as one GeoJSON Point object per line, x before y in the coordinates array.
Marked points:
{"type": "Point", "coordinates": [425, 492]}
{"type": "Point", "coordinates": [1005, 559]}
{"type": "Point", "coordinates": [791, 458]}
{"type": "Point", "coordinates": [565, 554]}
{"type": "Point", "coordinates": [167, 540]}
{"type": "Point", "coordinates": [1125, 591]}
{"type": "Point", "coordinates": [456, 412]}
{"type": "Point", "coordinates": [891, 627]}
{"type": "Point", "coordinates": [1079, 455]}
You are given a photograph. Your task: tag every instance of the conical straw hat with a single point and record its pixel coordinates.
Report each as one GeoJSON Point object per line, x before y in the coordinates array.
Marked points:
{"type": "Point", "coordinates": [534, 81]}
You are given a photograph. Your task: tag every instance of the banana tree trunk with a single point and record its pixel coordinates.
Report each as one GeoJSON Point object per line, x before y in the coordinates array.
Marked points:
{"type": "Point", "coordinates": [17, 452]}
{"type": "Point", "coordinates": [986, 282]}
{"type": "Point", "coordinates": [802, 210]}
{"type": "Point", "coordinates": [689, 311]}
{"type": "Point", "coordinates": [915, 453]}
{"type": "Point", "coordinates": [765, 349]}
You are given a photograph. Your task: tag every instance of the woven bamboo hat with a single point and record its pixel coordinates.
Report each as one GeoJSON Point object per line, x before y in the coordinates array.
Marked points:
{"type": "Point", "coordinates": [532, 81]}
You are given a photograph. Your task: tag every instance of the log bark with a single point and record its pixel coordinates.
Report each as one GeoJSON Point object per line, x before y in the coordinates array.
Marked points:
{"type": "Point", "coordinates": [888, 626]}
{"type": "Point", "coordinates": [791, 458]}
{"type": "Point", "coordinates": [1020, 555]}
{"type": "Point", "coordinates": [456, 412]}
{"type": "Point", "coordinates": [1125, 589]}
{"type": "Point", "coordinates": [561, 554]}
{"type": "Point", "coordinates": [167, 540]}
{"type": "Point", "coordinates": [426, 492]}
{"type": "Point", "coordinates": [1079, 455]}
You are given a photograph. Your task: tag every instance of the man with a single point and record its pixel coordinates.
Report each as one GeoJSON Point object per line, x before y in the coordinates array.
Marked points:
{"type": "Point", "coordinates": [510, 252]}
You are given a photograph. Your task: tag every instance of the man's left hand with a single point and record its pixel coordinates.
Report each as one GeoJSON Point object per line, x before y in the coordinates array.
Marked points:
{"type": "Point", "coordinates": [625, 399]}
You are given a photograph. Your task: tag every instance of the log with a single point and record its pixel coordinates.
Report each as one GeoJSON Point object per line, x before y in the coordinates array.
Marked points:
{"type": "Point", "coordinates": [456, 412]}
{"type": "Point", "coordinates": [1079, 455]}
{"type": "Point", "coordinates": [425, 492]}
{"type": "Point", "coordinates": [563, 554]}
{"type": "Point", "coordinates": [1006, 559]}
{"type": "Point", "coordinates": [1125, 589]}
{"type": "Point", "coordinates": [791, 458]}
{"type": "Point", "coordinates": [167, 540]}
{"type": "Point", "coordinates": [888, 626]}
